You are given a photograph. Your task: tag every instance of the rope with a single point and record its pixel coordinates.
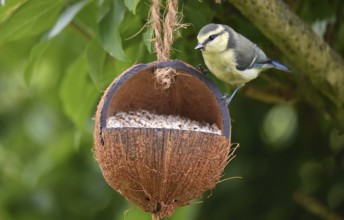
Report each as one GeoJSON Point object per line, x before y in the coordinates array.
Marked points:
{"type": "Point", "coordinates": [157, 23]}
{"type": "Point", "coordinates": [169, 25]}
{"type": "Point", "coordinates": [164, 27]}
{"type": "Point", "coordinates": [163, 39]}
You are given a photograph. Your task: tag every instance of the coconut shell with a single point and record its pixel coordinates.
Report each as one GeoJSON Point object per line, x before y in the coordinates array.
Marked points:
{"type": "Point", "coordinates": [162, 169]}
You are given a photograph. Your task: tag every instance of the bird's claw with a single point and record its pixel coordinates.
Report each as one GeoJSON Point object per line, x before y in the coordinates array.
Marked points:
{"type": "Point", "coordinates": [227, 99]}
{"type": "Point", "coordinates": [225, 96]}
{"type": "Point", "coordinates": [204, 70]}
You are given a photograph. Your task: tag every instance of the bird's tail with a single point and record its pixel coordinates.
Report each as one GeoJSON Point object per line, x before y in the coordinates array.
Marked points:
{"type": "Point", "coordinates": [279, 66]}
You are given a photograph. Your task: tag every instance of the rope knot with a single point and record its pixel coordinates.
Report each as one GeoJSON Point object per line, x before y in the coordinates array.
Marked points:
{"type": "Point", "coordinates": [163, 39]}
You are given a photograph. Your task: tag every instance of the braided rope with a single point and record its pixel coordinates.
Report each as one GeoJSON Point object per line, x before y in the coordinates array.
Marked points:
{"type": "Point", "coordinates": [163, 39]}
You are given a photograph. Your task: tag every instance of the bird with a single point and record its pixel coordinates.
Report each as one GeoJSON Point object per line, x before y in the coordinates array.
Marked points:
{"type": "Point", "coordinates": [231, 57]}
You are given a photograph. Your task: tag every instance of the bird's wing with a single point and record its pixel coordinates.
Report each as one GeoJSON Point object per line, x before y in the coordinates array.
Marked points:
{"type": "Point", "coordinates": [247, 54]}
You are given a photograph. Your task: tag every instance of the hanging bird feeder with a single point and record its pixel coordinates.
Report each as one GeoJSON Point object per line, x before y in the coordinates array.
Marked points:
{"type": "Point", "coordinates": [163, 139]}
{"type": "Point", "coordinates": [160, 169]}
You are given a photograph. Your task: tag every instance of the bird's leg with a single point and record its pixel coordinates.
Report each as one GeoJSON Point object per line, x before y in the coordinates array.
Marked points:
{"type": "Point", "coordinates": [202, 69]}
{"type": "Point", "coordinates": [229, 99]}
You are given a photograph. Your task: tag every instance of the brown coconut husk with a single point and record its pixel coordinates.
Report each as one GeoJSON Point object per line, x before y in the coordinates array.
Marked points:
{"type": "Point", "coordinates": [162, 169]}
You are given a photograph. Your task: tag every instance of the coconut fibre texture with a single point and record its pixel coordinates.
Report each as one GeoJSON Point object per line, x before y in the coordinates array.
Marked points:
{"type": "Point", "coordinates": [146, 119]}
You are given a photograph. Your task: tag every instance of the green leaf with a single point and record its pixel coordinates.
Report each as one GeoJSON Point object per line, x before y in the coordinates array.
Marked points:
{"type": "Point", "coordinates": [30, 19]}
{"type": "Point", "coordinates": [65, 18]}
{"type": "Point", "coordinates": [95, 60]}
{"type": "Point", "coordinates": [11, 7]}
{"type": "Point", "coordinates": [147, 38]}
{"type": "Point", "coordinates": [78, 93]}
{"type": "Point", "coordinates": [36, 54]}
{"type": "Point", "coordinates": [131, 5]}
{"type": "Point", "coordinates": [109, 30]}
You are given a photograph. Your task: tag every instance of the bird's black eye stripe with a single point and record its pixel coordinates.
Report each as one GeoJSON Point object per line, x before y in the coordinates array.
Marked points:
{"type": "Point", "coordinates": [212, 37]}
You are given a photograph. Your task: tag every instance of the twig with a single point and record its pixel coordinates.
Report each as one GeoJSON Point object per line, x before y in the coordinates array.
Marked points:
{"type": "Point", "coordinates": [269, 94]}
{"type": "Point", "coordinates": [331, 33]}
{"type": "Point", "coordinates": [80, 30]}
{"type": "Point", "coordinates": [315, 207]}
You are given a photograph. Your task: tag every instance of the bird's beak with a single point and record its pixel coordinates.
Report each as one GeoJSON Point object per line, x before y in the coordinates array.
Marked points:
{"type": "Point", "coordinates": [199, 46]}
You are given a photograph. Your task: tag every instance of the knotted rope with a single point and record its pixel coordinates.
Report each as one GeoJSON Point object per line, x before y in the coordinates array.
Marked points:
{"type": "Point", "coordinates": [163, 39]}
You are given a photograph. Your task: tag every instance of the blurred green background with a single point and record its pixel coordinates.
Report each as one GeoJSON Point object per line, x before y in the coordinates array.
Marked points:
{"type": "Point", "coordinates": [56, 58]}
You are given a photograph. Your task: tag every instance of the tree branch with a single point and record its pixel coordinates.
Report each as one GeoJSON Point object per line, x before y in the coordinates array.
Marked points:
{"type": "Point", "coordinates": [322, 66]}
{"type": "Point", "coordinates": [269, 94]}
{"type": "Point", "coordinates": [315, 207]}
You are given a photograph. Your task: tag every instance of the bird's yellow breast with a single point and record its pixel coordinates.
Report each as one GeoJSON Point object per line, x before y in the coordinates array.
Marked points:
{"type": "Point", "coordinates": [223, 66]}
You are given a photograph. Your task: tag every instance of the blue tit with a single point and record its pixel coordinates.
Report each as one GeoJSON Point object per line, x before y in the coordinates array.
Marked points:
{"type": "Point", "coordinates": [231, 57]}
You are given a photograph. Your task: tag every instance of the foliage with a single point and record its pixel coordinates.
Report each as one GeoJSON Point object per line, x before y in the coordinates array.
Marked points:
{"type": "Point", "coordinates": [56, 58]}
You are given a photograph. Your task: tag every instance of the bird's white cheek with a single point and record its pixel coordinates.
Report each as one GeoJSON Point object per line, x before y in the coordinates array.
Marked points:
{"type": "Point", "coordinates": [250, 74]}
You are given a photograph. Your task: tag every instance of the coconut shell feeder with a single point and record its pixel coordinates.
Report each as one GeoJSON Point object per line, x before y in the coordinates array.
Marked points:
{"type": "Point", "coordinates": [161, 169]}
{"type": "Point", "coordinates": [162, 130]}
